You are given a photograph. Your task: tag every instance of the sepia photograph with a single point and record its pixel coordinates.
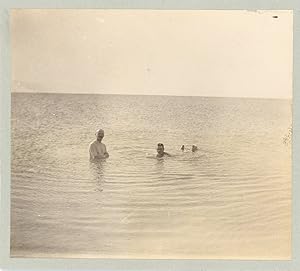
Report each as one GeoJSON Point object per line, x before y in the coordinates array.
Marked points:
{"type": "Point", "coordinates": [151, 134]}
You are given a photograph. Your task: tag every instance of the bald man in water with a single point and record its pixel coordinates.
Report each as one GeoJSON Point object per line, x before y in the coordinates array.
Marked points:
{"type": "Point", "coordinates": [97, 148]}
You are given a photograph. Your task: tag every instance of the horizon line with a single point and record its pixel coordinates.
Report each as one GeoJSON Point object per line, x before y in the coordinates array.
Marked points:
{"type": "Point", "coordinates": [164, 95]}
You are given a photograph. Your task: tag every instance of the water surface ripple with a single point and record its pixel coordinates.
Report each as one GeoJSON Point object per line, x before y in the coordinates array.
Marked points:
{"type": "Point", "coordinates": [230, 200]}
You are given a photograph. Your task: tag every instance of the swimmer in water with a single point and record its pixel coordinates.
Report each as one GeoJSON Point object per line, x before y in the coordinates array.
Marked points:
{"type": "Point", "coordinates": [182, 147]}
{"type": "Point", "coordinates": [161, 151]}
{"type": "Point", "coordinates": [194, 148]}
{"type": "Point", "coordinates": [97, 149]}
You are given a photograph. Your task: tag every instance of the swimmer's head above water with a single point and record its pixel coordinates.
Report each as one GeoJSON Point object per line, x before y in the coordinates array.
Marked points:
{"type": "Point", "coordinates": [161, 150]}
{"type": "Point", "coordinates": [99, 134]}
{"type": "Point", "coordinates": [194, 148]}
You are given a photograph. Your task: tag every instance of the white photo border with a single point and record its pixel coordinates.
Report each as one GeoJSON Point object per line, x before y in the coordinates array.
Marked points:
{"type": "Point", "coordinates": [6, 262]}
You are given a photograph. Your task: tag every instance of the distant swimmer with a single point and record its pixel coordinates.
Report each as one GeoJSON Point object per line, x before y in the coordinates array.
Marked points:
{"type": "Point", "coordinates": [161, 151]}
{"type": "Point", "coordinates": [182, 147]}
{"type": "Point", "coordinates": [194, 148]}
{"type": "Point", "coordinates": [97, 149]}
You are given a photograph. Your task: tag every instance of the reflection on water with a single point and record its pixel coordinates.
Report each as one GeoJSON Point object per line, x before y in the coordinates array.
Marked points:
{"type": "Point", "coordinates": [97, 171]}
{"type": "Point", "coordinates": [230, 199]}
{"type": "Point", "coordinates": [159, 166]}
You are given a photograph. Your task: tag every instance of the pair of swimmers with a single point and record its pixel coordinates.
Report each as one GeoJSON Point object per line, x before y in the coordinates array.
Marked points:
{"type": "Point", "coordinates": [194, 148]}
{"type": "Point", "coordinates": [161, 150]}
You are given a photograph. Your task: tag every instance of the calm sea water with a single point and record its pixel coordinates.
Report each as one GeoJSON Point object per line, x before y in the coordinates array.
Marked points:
{"type": "Point", "coordinates": [231, 199]}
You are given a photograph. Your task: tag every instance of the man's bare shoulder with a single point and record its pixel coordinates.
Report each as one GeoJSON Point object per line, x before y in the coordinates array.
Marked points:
{"type": "Point", "coordinates": [97, 143]}
{"type": "Point", "coordinates": [93, 143]}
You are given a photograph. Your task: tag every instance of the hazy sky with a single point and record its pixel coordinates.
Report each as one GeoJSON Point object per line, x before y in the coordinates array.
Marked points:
{"type": "Point", "coordinates": [203, 53]}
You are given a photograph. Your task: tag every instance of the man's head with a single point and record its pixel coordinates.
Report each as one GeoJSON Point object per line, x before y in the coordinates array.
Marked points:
{"type": "Point", "coordinates": [99, 135]}
{"type": "Point", "coordinates": [160, 148]}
